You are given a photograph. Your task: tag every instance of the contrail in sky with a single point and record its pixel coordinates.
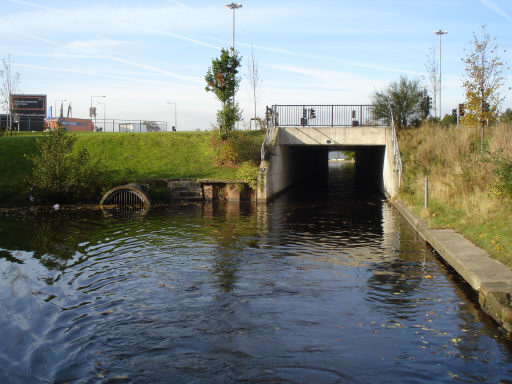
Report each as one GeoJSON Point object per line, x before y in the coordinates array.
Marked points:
{"type": "Point", "coordinates": [496, 8]}
{"type": "Point", "coordinates": [78, 71]}
{"type": "Point", "coordinates": [173, 35]}
{"type": "Point", "coordinates": [183, 5]}
{"type": "Point", "coordinates": [30, 4]}
{"type": "Point", "coordinates": [112, 58]}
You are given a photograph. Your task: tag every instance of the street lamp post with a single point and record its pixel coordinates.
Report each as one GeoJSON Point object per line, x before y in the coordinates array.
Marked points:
{"type": "Point", "coordinates": [440, 33]}
{"type": "Point", "coordinates": [234, 7]}
{"type": "Point", "coordinates": [56, 101]}
{"type": "Point", "coordinates": [175, 115]}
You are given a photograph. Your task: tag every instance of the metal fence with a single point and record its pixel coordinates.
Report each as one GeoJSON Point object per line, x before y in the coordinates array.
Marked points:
{"type": "Point", "coordinates": [326, 116]}
{"type": "Point", "coordinates": [105, 125]}
{"type": "Point", "coordinates": [117, 125]}
{"type": "Point", "coordinates": [24, 123]}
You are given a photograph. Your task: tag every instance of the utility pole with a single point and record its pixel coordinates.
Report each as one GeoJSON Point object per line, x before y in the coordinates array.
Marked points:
{"type": "Point", "coordinates": [440, 33]}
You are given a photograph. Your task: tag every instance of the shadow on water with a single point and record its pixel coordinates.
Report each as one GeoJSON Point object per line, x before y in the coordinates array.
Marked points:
{"type": "Point", "coordinates": [325, 284]}
{"type": "Point", "coordinates": [340, 209]}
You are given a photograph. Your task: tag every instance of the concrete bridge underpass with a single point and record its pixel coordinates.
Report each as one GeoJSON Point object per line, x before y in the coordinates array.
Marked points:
{"type": "Point", "coordinates": [300, 137]}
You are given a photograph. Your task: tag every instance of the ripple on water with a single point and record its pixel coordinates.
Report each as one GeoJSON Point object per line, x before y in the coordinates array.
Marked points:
{"type": "Point", "coordinates": [296, 291]}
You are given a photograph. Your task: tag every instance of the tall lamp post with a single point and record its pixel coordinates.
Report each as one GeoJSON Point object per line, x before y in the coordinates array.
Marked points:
{"type": "Point", "coordinates": [440, 33]}
{"type": "Point", "coordinates": [234, 7]}
{"type": "Point", "coordinates": [175, 115]}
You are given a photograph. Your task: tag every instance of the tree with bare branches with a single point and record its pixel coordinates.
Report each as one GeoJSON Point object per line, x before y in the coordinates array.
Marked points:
{"type": "Point", "coordinates": [433, 77]}
{"type": "Point", "coordinates": [8, 86]}
{"type": "Point", "coordinates": [254, 81]}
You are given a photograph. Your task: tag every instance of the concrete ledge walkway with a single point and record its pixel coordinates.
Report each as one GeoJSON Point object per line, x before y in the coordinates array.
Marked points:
{"type": "Point", "coordinates": [491, 279]}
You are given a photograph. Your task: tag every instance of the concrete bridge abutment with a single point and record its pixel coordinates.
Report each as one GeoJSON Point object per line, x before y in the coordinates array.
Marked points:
{"type": "Point", "coordinates": [296, 154]}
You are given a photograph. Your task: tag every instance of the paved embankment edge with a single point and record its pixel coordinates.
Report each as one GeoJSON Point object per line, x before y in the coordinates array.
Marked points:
{"type": "Point", "coordinates": [491, 279]}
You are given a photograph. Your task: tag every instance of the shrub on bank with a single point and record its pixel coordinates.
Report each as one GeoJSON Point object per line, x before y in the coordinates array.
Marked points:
{"type": "Point", "coordinates": [248, 173]}
{"type": "Point", "coordinates": [502, 184]}
{"type": "Point", "coordinates": [237, 148]}
{"type": "Point", "coordinates": [60, 175]}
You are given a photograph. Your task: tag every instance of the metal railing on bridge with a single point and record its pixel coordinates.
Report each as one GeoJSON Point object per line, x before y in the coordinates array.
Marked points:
{"type": "Point", "coordinates": [326, 116]}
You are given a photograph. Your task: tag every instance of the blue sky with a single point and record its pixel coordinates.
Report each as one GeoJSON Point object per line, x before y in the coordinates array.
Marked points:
{"type": "Point", "coordinates": [142, 54]}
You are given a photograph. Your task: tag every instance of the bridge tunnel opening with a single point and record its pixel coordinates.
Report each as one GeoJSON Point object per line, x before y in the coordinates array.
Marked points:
{"type": "Point", "coordinates": [323, 170]}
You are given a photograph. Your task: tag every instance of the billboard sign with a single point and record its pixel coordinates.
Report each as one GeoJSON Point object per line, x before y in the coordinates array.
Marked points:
{"type": "Point", "coordinates": [29, 105]}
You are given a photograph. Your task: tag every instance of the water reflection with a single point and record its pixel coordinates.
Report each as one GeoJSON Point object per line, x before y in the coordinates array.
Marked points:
{"type": "Point", "coordinates": [328, 287]}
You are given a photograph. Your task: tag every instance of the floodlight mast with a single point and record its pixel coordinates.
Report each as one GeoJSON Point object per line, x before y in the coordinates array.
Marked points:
{"type": "Point", "coordinates": [440, 33]}
{"type": "Point", "coordinates": [234, 7]}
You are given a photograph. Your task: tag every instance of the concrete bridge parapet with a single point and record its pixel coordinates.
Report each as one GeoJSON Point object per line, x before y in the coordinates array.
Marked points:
{"type": "Point", "coordinates": [345, 136]}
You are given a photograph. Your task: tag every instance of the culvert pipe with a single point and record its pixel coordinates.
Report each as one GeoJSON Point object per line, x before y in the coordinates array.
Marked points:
{"type": "Point", "coordinates": [129, 195]}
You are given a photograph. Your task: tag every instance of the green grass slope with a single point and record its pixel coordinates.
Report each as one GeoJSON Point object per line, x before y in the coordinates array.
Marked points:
{"type": "Point", "coordinates": [124, 157]}
{"type": "Point", "coordinates": [463, 180]}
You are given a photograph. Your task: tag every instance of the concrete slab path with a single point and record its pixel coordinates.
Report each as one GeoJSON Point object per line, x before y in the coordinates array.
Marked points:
{"type": "Point", "coordinates": [491, 279]}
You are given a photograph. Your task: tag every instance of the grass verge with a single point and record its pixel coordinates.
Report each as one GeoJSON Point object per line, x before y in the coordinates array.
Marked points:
{"type": "Point", "coordinates": [462, 179]}
{"type": "Point", "coordinates": [126, 157]}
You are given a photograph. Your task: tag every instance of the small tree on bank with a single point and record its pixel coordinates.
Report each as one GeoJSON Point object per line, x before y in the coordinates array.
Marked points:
{"type": "Point", "coordinates": [405, 98]}
{"type": "Point", "coordinates": [222, 80]}
{"type": "Point", "coordinates": [8, 86]}
{"type": "Point", "coordinates": [254, 80]}
{"type": "Point", "coordinates": [57, 173]}
{"type": "Point", "coordinates": [483, 82]}
{"type": "Point", "coordinates": [433, 77]}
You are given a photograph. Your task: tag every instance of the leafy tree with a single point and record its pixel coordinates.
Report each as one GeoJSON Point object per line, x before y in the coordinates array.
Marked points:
{"type": "Point", "coordinates": [222, 80]}
{"type": "Point", "coordinates": [483, 82]}
{"type": "Point", "coordinates": [405, 98]}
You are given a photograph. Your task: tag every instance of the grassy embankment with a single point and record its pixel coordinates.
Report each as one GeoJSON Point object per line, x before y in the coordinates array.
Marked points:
{"type": "Point", "coordinates": [125, 157]}
{"type": "Point", "coordinates": [465, 192]}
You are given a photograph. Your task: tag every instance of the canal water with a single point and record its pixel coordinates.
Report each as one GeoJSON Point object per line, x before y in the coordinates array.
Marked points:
{"type": "Point", "coordinates": [327, 284]}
